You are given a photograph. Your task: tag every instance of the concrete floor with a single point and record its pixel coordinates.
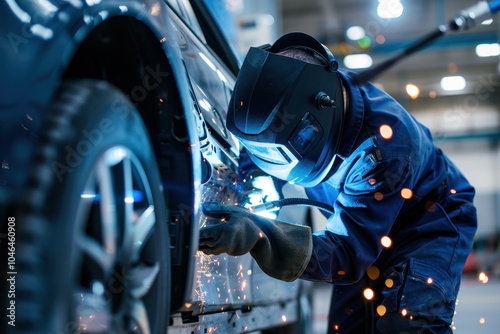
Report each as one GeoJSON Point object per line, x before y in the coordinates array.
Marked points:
{"type": "Point", "coordinates": [477, 311]}
{"type": "Point", "coordinates": [478, 308]}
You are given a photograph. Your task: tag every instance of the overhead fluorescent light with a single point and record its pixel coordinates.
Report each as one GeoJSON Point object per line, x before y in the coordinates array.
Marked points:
{"type": "Point", "coordinates": [451, 83]}
{"type": "Point", "coordinates": [355, 32]}
{"type": "Point", "coordinates": [488, 50]}
{"type": "Point", "coordinates": [389, 9]}
{"type": "Point", "coordinates": [356, 61]}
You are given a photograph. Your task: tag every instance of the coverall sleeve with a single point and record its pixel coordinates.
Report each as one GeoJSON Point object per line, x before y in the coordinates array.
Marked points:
{"type": "Point", "coordinates": [366, 207]}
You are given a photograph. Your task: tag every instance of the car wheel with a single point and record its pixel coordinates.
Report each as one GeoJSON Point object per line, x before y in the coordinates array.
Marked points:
{"type": "Point", "coordinates": [93, 241]}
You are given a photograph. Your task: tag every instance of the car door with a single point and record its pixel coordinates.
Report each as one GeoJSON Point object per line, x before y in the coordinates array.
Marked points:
{"type": "Point", "coordinates": [222, 282]}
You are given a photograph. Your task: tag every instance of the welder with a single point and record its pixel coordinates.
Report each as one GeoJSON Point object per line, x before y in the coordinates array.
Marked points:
{"type": "Point", "coordinates": [403, 217]}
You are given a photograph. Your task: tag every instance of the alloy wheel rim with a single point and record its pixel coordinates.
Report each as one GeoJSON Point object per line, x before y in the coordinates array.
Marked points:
{"type": "Point", "coordinates": [116, 259]}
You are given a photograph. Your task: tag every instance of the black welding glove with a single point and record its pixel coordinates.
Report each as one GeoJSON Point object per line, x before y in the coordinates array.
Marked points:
{"type": "Point", "coordinates": [281, 250]}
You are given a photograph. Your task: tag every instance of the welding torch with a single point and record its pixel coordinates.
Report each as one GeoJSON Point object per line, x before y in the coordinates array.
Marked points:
{"type": "Point", "coordinates": [466, 19]}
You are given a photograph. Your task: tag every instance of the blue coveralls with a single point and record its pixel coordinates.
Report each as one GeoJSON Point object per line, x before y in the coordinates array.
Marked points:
{"type": "Point", "coordinates": [391, 184]}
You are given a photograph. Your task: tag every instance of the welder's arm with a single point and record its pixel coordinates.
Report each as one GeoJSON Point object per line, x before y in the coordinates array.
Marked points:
{"type": "Point", "coordinates": [282, 250]}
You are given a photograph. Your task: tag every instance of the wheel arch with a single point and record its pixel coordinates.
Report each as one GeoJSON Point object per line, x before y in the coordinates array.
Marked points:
{"type": "Point", "coordinates": [125, 52]}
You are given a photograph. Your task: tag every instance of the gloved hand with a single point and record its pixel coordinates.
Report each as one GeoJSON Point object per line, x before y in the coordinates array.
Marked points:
{"type": "Point", "coordinates": [282, 250]}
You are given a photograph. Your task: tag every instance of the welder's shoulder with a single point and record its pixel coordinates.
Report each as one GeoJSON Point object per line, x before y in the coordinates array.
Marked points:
{"type": "Point", "coordinates": [374, 172]}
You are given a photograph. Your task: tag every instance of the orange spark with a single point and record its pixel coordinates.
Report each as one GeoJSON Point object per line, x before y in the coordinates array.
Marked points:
{"type": "Point", "coordinates": [368, 294]}
{"type": "Point", "coordinates": [406, 193]}
{"type": "Point", "coordinates": [381, 310]}
{"type": "Point", "coordinates": [386, 131]}
{"type": "Point", "coordinates": [386, 241]}
{"type": "Point", "coordinates": [373, 273]}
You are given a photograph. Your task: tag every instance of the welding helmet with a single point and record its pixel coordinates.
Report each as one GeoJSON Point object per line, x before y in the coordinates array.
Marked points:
{"type": "Point", "coordinates": [288, 113]}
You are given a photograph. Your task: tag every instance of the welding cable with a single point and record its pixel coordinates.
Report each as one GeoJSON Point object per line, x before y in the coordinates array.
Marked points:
{"type": "Point", "coordinates": [278, 204]}
{"type": "Point", "coordinates": [466, 19]}
{"type": "Point", "coordinates": [474, 15]}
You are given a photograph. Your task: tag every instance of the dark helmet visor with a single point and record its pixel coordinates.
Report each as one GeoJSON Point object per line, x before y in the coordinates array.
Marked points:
{"type": "Point", "coordinates": [274, 103]}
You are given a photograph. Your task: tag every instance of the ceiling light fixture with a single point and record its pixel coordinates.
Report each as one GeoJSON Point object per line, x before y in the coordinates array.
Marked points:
{"type": "Point", "coordinates": [357, 61]}
{"type": "Point", "coordinates": [389, 9]}
{"type": "Point", "coordinates": [488, 50]}
{"type": "Point", "coordinates": [355, 32]}
{"type": "Point", "coordinates": [453, 83]}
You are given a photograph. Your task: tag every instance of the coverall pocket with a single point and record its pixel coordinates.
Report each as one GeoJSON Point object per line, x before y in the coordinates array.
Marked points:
{"type": "Point", "coordinates": [428, 293]}
{"type": "Point", "coordinates": [421, 293]}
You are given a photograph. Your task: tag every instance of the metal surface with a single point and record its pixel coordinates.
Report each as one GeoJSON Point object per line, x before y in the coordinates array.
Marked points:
{"type": "Point", "coordinates": [165, 67]}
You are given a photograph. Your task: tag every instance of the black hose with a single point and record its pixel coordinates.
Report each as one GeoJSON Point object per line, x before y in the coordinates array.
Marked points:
{"type": "Point", "coordinates": [370, 74]}
{"type": "Point", "coordinates": [276, 205]}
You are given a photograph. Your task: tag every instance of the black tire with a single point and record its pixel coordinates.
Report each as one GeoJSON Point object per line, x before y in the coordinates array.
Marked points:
{"type": "Point", "coordinates": [93, 241]}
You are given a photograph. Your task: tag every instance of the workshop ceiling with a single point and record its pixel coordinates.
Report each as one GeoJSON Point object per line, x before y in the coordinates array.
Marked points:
{"type": "Point", "coordinates": [452, 54]}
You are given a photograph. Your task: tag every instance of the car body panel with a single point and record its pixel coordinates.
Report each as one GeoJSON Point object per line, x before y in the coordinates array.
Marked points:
{"type": "Point", "coordinates": [27, 88]}
{"type": "Point", "coordinates": [42, 38]}
{"type": "Point", "coordinates": [212, 85]}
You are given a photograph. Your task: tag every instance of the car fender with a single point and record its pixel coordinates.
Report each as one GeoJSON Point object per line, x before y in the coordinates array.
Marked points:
{"type": "Point", "coordinates": [50, 34]}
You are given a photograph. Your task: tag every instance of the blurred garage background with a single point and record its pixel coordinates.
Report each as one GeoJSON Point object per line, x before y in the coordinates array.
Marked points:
{"type": "Point", "coordinates": [452, 86]}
